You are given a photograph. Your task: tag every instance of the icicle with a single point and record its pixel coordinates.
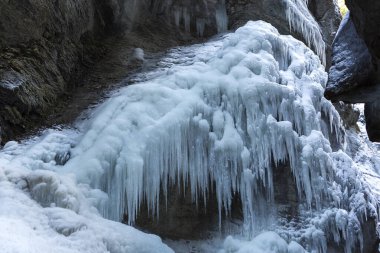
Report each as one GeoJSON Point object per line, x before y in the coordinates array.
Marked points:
{"type": "Point", "coordinates": [186, 19]}
{"type": "Point", "coordinates": [177, 13]}
{"type": "Point", "coordinates": [221, 17]}
{"type": "Point", "coordinates": [201, 22]}
{"type": "Point", "coordinates": [303, 22]}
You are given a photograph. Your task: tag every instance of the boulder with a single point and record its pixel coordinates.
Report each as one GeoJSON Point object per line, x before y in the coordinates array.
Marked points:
{"type": "Point", "coordinates": [351, 67]}
{"type": "Point", "coordinates": [355, 76]}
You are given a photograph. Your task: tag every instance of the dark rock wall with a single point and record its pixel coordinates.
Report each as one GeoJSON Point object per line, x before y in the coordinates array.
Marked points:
{"type": "Point", "coordinates": [272, 11]}
{"type": "Point", "coordinates": [355, 74]}
{"type": "Point", "coordinates": [372, 117]}
{"type": "Point", "coordinates": [366, 17]}
{"type": "Point", "coordinates": [44, 45]}
{"type": "Point", "coordinates": [351, 66]}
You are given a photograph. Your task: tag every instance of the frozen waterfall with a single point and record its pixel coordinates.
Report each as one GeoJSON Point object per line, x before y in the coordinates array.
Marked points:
{"type": "Point", "coordinates": [221, 124]}
{"type": "Point", "coordinates": [228, 120]}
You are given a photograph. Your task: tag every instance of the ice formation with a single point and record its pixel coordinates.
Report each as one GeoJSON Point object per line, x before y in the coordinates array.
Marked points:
{"type": "Point", "coordinates": [226, 119]}
{"type": "Point", "coordinates": [268, 242]}
{"type": "Point", "coordinates": [297, 13]}
{"type": "Point", "coordinates": [44, 211]}
{"type": "Point", "coordinates": [229, 120]}
{"type": "Point", "coordinates": [221, 17]}
{"type": "Point", "coordinates": [220, 124]}
{"type": "Point", "coordinates": [302, 21]}
{"type": "Point", "coordinates": [201, 14]}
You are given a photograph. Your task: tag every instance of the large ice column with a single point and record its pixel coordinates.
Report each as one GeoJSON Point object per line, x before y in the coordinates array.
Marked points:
{"type": "Point", "coordinates": [221, 124]}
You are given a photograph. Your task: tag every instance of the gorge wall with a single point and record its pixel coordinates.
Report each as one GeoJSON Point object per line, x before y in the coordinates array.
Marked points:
{"type": "Point", "coordinates": [354, 76]}
{"type": "Point", "coordinates": [45, 46]}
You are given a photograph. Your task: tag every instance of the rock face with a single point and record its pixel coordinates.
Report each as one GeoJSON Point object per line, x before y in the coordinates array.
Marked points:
{"type": "Point", "coordinates": [351, 67]}
{"type": "Point", "coordinates": [366, 16]}
{"type": "Point", "coordinates": [355, 76]}
{"type": "Point", "coordinates": [44, 45]}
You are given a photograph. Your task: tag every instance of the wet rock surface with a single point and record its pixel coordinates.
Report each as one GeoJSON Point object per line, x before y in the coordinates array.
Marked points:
{"type": "Point", "coordinates": [182, 218]}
